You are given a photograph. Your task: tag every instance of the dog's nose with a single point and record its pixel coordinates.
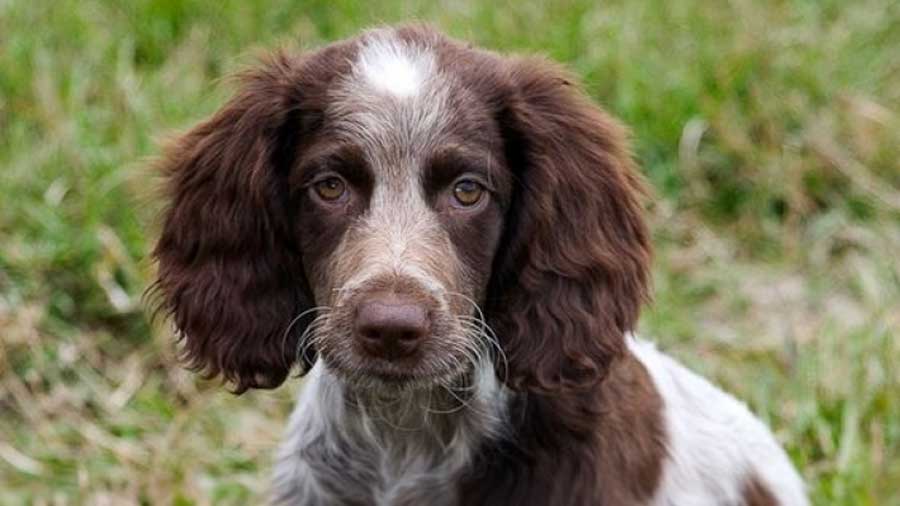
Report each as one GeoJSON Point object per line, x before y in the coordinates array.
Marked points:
{"type": "Point", "coordinates": [391, 326]}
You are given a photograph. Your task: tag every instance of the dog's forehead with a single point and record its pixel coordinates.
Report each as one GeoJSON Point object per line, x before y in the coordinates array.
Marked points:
{"type": "Point", "coordinates": [394, 102]}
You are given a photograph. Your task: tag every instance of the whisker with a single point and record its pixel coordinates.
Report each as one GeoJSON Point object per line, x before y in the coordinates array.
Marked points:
{"type": "Point", "coordinates": [287, 331]}
{"type": "Point", "coordinates": [307, 339]}
{"type": "Point", "coordinates": [462, 403]}
{"type": "Point", "coordinates": [487, 333]}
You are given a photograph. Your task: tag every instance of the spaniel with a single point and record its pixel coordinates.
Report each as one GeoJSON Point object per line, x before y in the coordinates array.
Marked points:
{"type": "Point", "coordinates": [449, 244]}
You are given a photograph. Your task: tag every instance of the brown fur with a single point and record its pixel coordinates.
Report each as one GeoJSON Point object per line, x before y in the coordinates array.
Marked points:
{"type": "Point", "coordinates": [598, 447]}
{"type": "Point", "coordinates": [756, 493]}
{"type": "Point", "coordinates": [574, 270]}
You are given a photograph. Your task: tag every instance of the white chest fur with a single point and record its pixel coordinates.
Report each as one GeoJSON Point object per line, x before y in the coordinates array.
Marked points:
{"type": "Point", "coordinates": [403, 451]}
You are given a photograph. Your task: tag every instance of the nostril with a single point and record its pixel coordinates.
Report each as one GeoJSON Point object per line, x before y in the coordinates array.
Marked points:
{"type": "Point", "coordinates": [409, 336]}
{"type": "Point", "coordinates": [372, 334]}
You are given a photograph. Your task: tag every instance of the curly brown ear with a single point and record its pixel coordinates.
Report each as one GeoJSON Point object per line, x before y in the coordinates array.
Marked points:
{"type": "Point", "coordinates": [229, 272]}
{"type": "Point", "coordinates": [570, 281]}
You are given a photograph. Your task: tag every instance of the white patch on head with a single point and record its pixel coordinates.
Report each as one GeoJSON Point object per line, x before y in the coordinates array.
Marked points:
{"type": "Point", "coordinates": [392, 66]}
{"type": "Point", "coordinates": [714, 442]}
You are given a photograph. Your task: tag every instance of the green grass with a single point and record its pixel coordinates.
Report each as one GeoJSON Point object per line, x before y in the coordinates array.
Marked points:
{"type": "Point", "coordinates": [770, 131]}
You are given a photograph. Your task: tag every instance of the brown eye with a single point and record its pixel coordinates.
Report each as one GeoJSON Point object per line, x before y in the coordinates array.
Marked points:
{"type": "Point", "coordinates": [467, 192]}
{"type": "Point", "coordinates": [330, 189]}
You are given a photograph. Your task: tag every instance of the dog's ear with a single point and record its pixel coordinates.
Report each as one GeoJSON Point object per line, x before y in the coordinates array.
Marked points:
{"type": "Point", "coordinates": [572, 269]}
{"type": "Point", "coordinates": [229, 272]}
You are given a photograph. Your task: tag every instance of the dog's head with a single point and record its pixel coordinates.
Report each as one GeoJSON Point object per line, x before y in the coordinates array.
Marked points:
{"type": "Point", "coordinates": [401, 206]}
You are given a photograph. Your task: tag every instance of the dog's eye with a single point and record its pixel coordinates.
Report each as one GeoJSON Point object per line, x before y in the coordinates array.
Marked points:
{"type": "Point", "coordinates": [330, 189]}
{"type": "Point", "coordinates": [467, 192]}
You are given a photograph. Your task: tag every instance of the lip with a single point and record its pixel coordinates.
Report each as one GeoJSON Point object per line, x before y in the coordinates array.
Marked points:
{"type": "Point", "coordinates": [395, 377]}
{"type": "Point", "coordinates": [394, 373]}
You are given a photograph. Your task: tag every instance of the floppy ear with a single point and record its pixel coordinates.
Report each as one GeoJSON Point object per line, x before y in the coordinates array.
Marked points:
{"type": "Point", "coordinates": [230, 273]}
{"type": "Point", "coordinates": [572, 271]}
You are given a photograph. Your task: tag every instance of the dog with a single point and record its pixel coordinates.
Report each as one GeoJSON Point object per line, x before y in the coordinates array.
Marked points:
{"type": "Point", "coordinates": [449, 244]}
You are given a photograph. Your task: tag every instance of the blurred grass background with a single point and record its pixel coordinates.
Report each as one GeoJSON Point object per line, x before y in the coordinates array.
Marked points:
{"type": "Point", "coordinates": [770, 131]}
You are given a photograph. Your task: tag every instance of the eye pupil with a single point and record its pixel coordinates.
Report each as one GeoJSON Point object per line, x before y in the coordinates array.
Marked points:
{"type": "Point", "coordinates": [467, 192]}
{"type": "Point", "coordinates": [330, 189]}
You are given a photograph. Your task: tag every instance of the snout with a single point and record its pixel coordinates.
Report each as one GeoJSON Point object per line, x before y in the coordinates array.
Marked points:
{"type": "Point", "coordinates": [391, 326]}
{"type": "Point", "coordinates": [395, 332]}
{"type": "Point", "coordinates": [394, 319]}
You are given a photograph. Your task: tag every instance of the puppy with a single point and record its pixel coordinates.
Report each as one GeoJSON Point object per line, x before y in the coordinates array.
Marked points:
{"type": "Point", "coordinates": [451, 243]}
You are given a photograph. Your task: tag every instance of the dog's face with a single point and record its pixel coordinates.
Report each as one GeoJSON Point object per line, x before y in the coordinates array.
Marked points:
{"type": "Point", "coordinates": [399, 203]}
{"type": "Point", "coordinates": [402, 206]}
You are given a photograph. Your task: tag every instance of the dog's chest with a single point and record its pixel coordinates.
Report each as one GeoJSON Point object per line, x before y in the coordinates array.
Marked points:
{"type": "Point", "coordinates": [383, 476]}
{"type": "Point", "coordinates": [410, 452]}
{"type": "Point", "coordinates": [334, 464]}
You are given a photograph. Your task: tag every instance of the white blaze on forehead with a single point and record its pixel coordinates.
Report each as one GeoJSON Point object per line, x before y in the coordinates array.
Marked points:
{"type": "Point", "coordinates": [393, 66]}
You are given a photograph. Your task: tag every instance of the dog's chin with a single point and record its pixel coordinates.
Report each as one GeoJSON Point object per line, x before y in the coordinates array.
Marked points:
{"type": "Point", "coordinates": [387, 379]}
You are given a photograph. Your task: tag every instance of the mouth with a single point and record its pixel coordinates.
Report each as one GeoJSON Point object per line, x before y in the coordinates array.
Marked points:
{"type": "Point", "coordinates": [392, 372]}
{"type": "Point", "coordinates": [380, 374]}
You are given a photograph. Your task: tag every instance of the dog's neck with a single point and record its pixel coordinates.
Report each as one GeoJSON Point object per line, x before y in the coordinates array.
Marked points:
{"type": "Point", "coordinates": [352, 445]}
